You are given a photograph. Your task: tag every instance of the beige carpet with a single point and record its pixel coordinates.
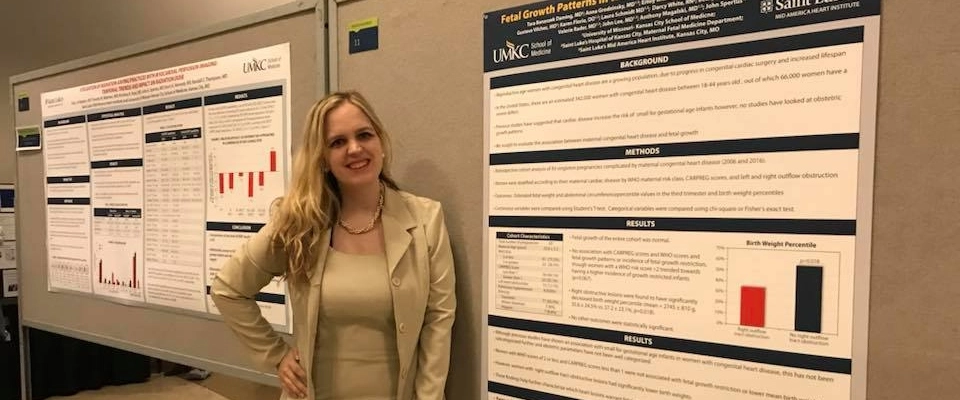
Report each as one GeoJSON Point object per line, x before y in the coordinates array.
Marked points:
{"type": "Point", "coordinates": [239, 389]}
{"type": "Point", "coordinates": [216, 387]}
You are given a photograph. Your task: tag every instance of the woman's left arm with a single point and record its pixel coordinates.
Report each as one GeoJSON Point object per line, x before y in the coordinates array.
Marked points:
{"type": "Point", "coordinates": [434, 350]}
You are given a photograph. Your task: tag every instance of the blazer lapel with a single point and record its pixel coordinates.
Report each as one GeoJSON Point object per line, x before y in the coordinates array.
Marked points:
{"type": "Point", "coordinates": [397, 221]}
{"type": "Point", "coordinates": [312, 308]}
{"type": "Point", "coordinates": [317, 275]}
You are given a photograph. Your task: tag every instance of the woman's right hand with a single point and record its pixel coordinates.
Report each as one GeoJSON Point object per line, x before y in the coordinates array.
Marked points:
{"type": "Point", "coordinates": [293, 378]}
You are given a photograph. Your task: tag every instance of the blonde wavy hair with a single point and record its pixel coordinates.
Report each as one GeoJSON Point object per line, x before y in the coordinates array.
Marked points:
{"type": "Point", "coordinates": [312, 204]}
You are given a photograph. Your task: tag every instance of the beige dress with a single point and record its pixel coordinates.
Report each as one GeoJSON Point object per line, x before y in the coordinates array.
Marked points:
{"type": "Point", "coordinates": [356, 352]}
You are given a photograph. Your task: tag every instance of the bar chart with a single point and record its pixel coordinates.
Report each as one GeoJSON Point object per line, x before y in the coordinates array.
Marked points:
{"type": "Point", "coordinates": [117, 266]}
{"type": "Point", "coordinates": [244, 142]}
{"type": "Point", "coordinates": [118, 271]}
{"type": "Point", "coordinates": [783, 289]}
{"type": "Point", "coordinates": [226, 179]}
{"type": "Point", "coordinates": [114, 280]}
{"type": "Point", "coordinates": [243, 196]}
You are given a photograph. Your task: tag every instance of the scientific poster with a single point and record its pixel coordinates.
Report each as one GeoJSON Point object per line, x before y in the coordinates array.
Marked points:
{"type": "Point", "coordinates": [150, 175]}
{"type": "Point", "coordinates": [11, 284]}
{"type": "Point", "coordinates": [8, 222]}
{"type": "Point", "coordinates": [8, 254]}
{"type": "Point", "coordinates": [678, 198]}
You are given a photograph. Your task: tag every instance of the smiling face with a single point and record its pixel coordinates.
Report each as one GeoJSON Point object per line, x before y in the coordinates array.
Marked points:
{"type": "Point", "coordinates": [353, 150]}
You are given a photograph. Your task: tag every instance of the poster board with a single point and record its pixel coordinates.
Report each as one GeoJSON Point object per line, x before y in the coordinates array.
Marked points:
{"type": "Point", "coordinates": [8, 243]}
{"type": "Point", "coordinates": [437, 123]}
{"type": "Point", "coordinates": [655, 198]}
{"type": "Point", "coordinates": [291, 32]}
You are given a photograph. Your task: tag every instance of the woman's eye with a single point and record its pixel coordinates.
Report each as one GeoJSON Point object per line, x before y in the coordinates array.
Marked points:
{"type": "Point", "coordinates": [337, 143]}
{"type": "Point", "coordinates": [366, 135]}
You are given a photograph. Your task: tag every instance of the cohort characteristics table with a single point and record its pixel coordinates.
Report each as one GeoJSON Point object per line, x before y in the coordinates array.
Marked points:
{"type": "Point", "coordinates": [529, 268]}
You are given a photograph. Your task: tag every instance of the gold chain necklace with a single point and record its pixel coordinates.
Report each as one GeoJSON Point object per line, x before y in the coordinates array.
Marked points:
{"type": "Point", "coordinates": [373, 221]}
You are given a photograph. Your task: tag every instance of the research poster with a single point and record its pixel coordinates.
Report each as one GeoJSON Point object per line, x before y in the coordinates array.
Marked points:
{"type": "Point", "coordinates": [8, 227]}
{"type": "Point", "coordinates": [8, 255]}
{"type": "Point", "coordinates": [11, 285]}
{"type": "Point", "coordinates": [678, 199]}
{"type": "Point", "coordinates": [154, 179]}
{"type": "Point", "coordinates": [8, 223]}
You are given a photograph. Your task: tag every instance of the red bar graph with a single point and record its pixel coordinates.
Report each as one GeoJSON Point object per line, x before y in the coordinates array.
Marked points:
{"type": "Point", "coordinates": [254, 178]}
{"type": "Point", "coordinates": [132, 283]}
{"type": "Point", "coordinates": [753, 306]}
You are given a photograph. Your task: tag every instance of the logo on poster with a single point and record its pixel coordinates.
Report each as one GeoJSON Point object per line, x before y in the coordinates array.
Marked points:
{"type": "Point", "coordinates": [254, 65]}
{"type": "Point", "coordinates": [511, 52]}
{"type": "Point", "coordinates": [766, 6]}
{"type": "Point", "coordinates": [53, 102]}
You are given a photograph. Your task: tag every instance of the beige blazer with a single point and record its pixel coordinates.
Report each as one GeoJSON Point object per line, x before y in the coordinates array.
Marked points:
{"type": "Point", "coordinates": [422, 279]}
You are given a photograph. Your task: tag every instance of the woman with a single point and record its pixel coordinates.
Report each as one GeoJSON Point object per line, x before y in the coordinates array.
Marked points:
{"type": "Point", "coordinates": [369, 270]}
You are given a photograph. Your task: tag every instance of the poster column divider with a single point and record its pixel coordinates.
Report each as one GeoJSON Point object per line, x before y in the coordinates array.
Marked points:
{"type": "Point", "coordinates": [93, 290]}
{"type": "Point", "coordinates": [206, 200]}
{"type": "Point", "coordinates": [143, 208]}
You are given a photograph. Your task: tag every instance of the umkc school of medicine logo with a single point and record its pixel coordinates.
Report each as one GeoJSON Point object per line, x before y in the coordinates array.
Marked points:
{"type": "Point", "coordinates": [511, 52]}
{"type": "Point", "coordinates": [255, 65]}
{"type": "Point", "coordinates": [766, 6]}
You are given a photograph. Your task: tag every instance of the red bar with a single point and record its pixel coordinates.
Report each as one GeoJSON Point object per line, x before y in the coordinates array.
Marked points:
{"type": "Point", "coordinates": [221, 183]}
{"type": "Point", "coordinates": [113, 280]}
{"type": "Point", "coordinates": [250, 185]}
{"type": "Point", "coordinates": [231, 181]}
{"type": "Point", "coordinates": [273, 161]}
{"type": "Point", "coordinates": [134, 280]}
{"type": "Point", "coordinates": [261, 178]}
{"type": "Point", "coordinates": [101, 271]}
{"type": "Point", "coordinates": [753, 306]}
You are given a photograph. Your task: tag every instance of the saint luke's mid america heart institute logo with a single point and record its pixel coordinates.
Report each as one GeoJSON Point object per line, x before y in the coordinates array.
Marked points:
{"type": "Point", "coordinates": [766, 6]}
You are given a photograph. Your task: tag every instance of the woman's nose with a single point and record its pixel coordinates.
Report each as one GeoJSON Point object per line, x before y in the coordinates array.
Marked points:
{"type": "Point", "coordinates": [353, 146]}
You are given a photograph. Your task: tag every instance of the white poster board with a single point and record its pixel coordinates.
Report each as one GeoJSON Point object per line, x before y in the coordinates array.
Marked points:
{"type": "Point", "coordinates": [678, 199]}
{"type": "Point", "coordinates": [155, 178]}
